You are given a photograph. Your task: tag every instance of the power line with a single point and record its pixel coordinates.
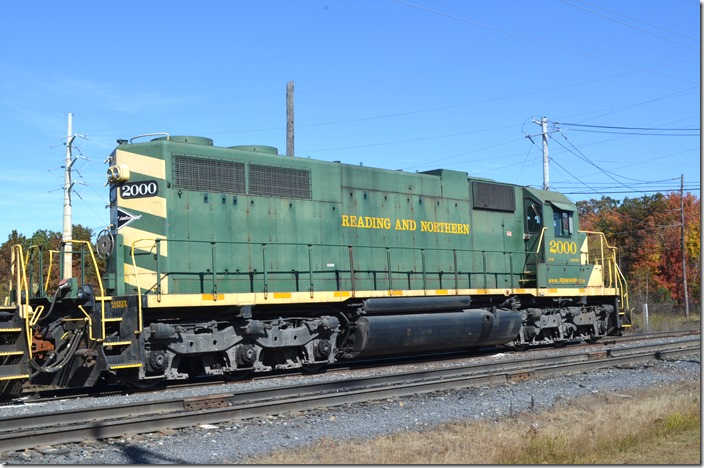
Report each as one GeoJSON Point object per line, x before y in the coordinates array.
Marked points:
{"type": "Point", "coordinates": [620, 192]}
{"type": "Point", "coordinates": [680, 93]}
{"type": "Point", "coordinates": [639, 21]}
{"type": "Point", "coordinates": [577, 179]}
{"type": "Point", "coordinates": [581, 155]}
{"type": "Point", "coordinates": [611, 175]}
{"type": "Point", "coordinates": [527, 38]}
{"type": "Point", "coordinates": [629, 128]}
{"type": "Point", "coordinates": [638, 133]}
{"type": "Point", "coordinates": [464, 153]}
{"type": "Point", "coordinates": [651, 183]}
{"type": "Point", "coordinates": [648, 188]}
{"type": "Point", "coordinates": [652, 228]}
{"type": "Point", "coordinates": [629, 25]}
{"type": "Point", "coordinates": [408, 141]}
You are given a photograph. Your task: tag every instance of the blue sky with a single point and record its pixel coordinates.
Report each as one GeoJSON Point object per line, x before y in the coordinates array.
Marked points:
{"type": "Point", "coordinates": [411, 85]}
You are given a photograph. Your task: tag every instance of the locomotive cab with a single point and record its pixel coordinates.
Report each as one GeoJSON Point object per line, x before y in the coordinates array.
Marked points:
{"type": "Point", "coordinates": [553, 242]}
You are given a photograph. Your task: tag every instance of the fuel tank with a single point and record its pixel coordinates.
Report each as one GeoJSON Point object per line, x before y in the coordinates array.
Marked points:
{"type": "Point", "coordinates": [437, 331]}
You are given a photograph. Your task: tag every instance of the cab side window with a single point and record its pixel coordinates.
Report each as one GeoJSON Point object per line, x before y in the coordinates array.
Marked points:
{"type": "Point", "coordinates": [562, 221]}
{"type": "Point", "coordinates": [534, 217]}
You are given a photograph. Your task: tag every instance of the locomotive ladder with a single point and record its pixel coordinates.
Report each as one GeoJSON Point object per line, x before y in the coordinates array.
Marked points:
{"type": "Point", "coordinates": [14, 326]}
{"type": "Point", "coordinates": [14, 353]}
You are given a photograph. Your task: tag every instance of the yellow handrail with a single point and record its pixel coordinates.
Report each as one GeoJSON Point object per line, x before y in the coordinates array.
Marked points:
{"type": "Point", "coordinates": [600, 234]}
{"type": "Point", "coordinates": [616, 277]}
{"type": "Point", "coordinates": [136, 278]}
{"type": "Point", "coordinates": [28, 258]}
{"type": "Point", "coordinates": [29, 252]}
{"type": "Point", "coordinates": [18, 267]}
{"type": "Point", "coordinates": [540, 240]}
{"type": "Point", "coordinates": [23, 284]}
{"type": "Point", "coordinates": [623, 288]}
{"type": "Point", "coordinates": [48, 271]}
{"type": "Point", "coordinates": [36, 315]}
{"type": "Point", "coordinates": [90, 325]}
{"type": "Point", "coordinates": [100, 284]}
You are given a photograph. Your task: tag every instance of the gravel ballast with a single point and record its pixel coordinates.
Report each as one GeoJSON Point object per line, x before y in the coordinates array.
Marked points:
{"type": "Point", "coordinates": [234, 441]}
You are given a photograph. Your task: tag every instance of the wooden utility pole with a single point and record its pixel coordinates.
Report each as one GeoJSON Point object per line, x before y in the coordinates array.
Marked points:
{"type": "Point", "coordinates": [289, 118]}
{"type": "Point", "coordinates": [684, 254]}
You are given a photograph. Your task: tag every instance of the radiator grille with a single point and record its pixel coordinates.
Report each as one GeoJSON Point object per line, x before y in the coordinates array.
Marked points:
{"type": "Point", "coordinates": [493, 196]}
{"type": "Point", "coordinates": [274, 181]}
{"type": "Point", "coordinates": [208, 175]}
{"type": "Point", "coordinates": [217, 175]}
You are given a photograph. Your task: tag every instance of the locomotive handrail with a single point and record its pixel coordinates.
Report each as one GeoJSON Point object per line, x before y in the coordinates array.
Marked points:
{"type": "Point", "coordinates": [100, 284]}
{"type": "Point", "coordinates": [18, 267]}
{"type": "Point", "coordinates": [168, 137]}
{"type": "Point", "coordinates": [608, 261]}
{"type": "Point", "coordinates": [612, 278]}
{"type": "Point", "coordinates": [623, 287]}
{"type": "Point", "coordinates": [159, 273]}
{"type": "Point", "coordinates": [136, 278]}
{"type": "Point", "coordinates": [540, 240]}
{"type": "Point", "coordinates": [603, 236]}
{"type": "Point", "coordinates": [19, 272]}
{"type": "Point", "coordinates": [28, 259]}
{"type": "Point", "coordinates": [616, 277]}
{"type": "Point", "coordinates": [36, 314]}
{"type": "Point", "coordinates": [51, 264]}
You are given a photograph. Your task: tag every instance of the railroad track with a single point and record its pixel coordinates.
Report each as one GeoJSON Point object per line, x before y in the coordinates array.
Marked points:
{"type": "Point", "coordinates": [40, 394]}
{"type": "Point", "coordinates": [29, 431]}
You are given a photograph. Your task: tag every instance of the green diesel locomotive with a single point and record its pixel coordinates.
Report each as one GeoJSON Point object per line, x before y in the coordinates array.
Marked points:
{"type": "Point", "coordinates": [227, 261]}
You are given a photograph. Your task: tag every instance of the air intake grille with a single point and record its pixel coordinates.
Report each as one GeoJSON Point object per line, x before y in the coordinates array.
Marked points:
{"type": "Point", "coordinates": [494, 196]}
{"type": "Point", "coordinates": [274, 181]}
{"type": "Point", "coordinates": [208, 175]}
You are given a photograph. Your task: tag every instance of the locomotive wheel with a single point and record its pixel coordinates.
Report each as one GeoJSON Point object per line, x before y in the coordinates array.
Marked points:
{"type": "Point", "coordinates": [137, 384]}
{"type": "Point", "coordinates": [313, 368]}
{"type": "Point", "coordinates": [237, 376]}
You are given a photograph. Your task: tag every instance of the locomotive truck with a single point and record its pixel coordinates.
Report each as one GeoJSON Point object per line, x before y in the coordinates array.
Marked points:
{"type": "Point", "coordinates": [227, 261]}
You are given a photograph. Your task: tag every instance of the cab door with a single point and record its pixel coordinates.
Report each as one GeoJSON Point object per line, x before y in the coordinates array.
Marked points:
{"type": "Point", "coordinates": [533, 223]}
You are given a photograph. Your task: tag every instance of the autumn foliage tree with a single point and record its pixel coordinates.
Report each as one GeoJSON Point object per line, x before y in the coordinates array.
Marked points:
{"type": "Point", "coordinates": [647, 232]}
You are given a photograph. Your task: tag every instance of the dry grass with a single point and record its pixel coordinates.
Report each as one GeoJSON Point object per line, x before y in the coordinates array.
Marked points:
{"type": "Point", "coordinates": [662, 319]}
{"type": "Point", "coordinates": [653, 426]}
{"type": "Point", "coordinates": [670, 322]}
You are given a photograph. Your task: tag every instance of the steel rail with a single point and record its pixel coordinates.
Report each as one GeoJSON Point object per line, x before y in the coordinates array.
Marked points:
{"type": "Point", "coordinates": [28, 431]}
{"type": "Point", "coordinates": [38, 394]}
